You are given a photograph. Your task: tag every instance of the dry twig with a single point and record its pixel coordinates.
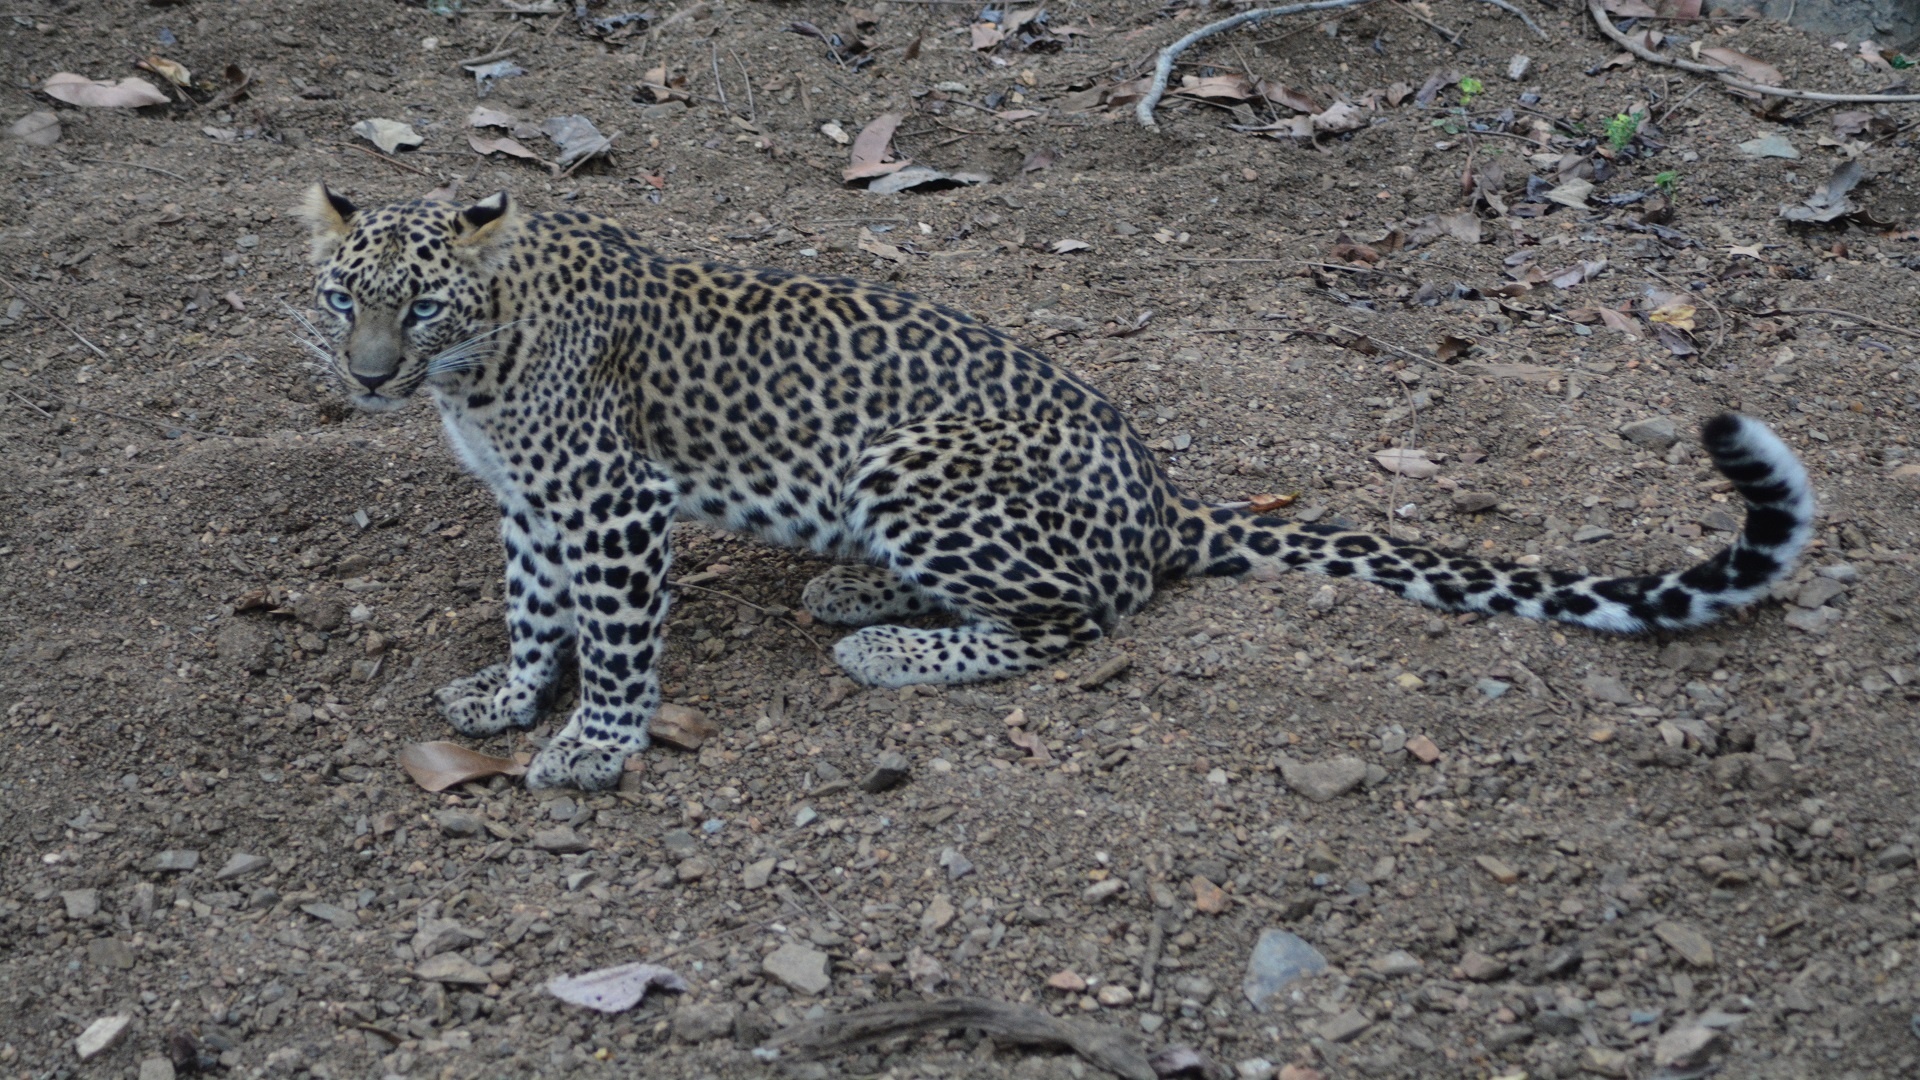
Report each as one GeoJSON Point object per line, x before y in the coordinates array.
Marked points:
{"type": "Point", "coordinates": [64, 324]}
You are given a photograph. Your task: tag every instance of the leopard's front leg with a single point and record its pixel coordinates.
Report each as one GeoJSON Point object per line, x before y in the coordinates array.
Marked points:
{"type": "Point", "coordinates": [540, 632]}
{"type": "Point", "coordinates": [615, 544]}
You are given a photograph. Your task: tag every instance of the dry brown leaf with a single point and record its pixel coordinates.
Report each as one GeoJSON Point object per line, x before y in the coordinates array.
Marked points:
{"type": "Point", "coordinates": [128, 93]}
{"type": "Point", "coordinates": [501, 145]}
{"type": "Point", "coordinates": [1338, 117]}
{"type": "Point", "coordinates": [1680, 9]}
{"type": "Point", "coordinates": [1674, 313]}
{"type": "Point", "coordinates": [665, 87]}
{"type": "Point", "coordinates": [171, 70]}
{"type": "Point", "coordinates": [1617, 321]}
{"type": "Point", "coordinates": [1452, 348]}
{"type": "Point", "coordinates": [437, 766]}
{"type": "Point", "coordinates": [1297, 100]}
{"type": "Point", "coordinates": [871, 147]}
{"type": "Point", "coordinates": [1352, 252]}
{"type": "Point", "coordinates": [1748, 68]}
{"type": "Point", "coordinates": [38, 128]}
{"type": "Point", "coordinates": [1267, 504]}
{"type": "Point", "coordinates": [1462, 225]}
{"type": "Point", "coordinates": [986, 35]}
{"type": "Point", "coordinates": [682, 727]}
{"type": "Point", "coordinates": [1034, 745]}
{"type": "Point", "coordinates": [1629, 9]}
{"type": "Point", "coordinates": [1409, 463]}
{"type": "Point", "coordinates": [1217, 87]}
{"type": "Point", "coordinates": [875, 246]}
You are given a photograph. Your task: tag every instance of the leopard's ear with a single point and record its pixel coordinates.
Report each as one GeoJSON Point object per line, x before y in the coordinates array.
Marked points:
{"type": "Point", "coordinates": [330, 216]}
{"type": "Point", "coordinates": [486, 222]}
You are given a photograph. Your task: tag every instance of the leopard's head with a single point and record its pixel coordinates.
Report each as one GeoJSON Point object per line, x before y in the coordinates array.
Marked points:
{"type": "Point", "coordinates": [404, 292]}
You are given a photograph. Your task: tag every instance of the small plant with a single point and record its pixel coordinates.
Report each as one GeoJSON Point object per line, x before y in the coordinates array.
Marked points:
{"type": "Point", "coordinates": [1665, 181]}
{"type": "Point", "coordinates": [1470, 88]}
{"type": "Point", "coordinates": [1901, 62]}
{"type": "Point", "coordinates": [1622, 128]}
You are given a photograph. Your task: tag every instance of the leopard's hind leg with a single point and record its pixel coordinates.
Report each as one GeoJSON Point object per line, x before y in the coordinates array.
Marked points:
{"type": "Point", "coordinates": [862, 596]}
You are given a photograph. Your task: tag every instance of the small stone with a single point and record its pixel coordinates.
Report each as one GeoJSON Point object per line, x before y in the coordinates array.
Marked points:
{"type": "Point", "coordinates": [1108, 670]}
{"type": "Point", "coordinates": [560, 841]}
{"type": "Point", "coordinates": [890, 770]}
{"type": "Point", "coordinates": [937, 915]}
{"type": "Point", "coordinates": [1066, 981]}
{"type": "Point", "coordinates": [1587, 534]}
{"type": "Point", "coordinates": [1894, 857]}
{"type": "Point", "coordinates": [692, 870]}
{"type": "Point", "coordinates": [240, 864]}
{"type": "Point", "coordinates": [1492, 688]}
{"type": "Point", "coordinates": [110, 954]}
{"type": "Point", "coordinates": [1255, 1069]}
{"type": "Point", "coordinates": [81, 903]}
{"type": "Point", "coordinates": [322, 613]}
{"type": "Point", "coordinates": [1654, 433]}
{"type": "Point", "coordinates": [1817, 591]}
{"type": "Point", "coordinates": [1345, 1027]}
{"type": "Point", "coordinates": [1195, 987]}
{"type": "Point", "coordinates": [156, 1068]}
{"type": "Point", "coordinates": [1691, 944]}
{"type": "Point", "coordinates": [681, 727]}
{"type": "Point", "coordinates": [436, 936]}
{"type": "Point", "coordinates": [1278, 958]}
{"type": "Point", "coordinates": [1323, 599]}
{"type": "Point", "coordinates": [176, 861]}
{"type": "Point", "coordinates": [1423, 749]}
{"type": "Point", "coordinates": [1320, 858]}
{"type": "Point", "coordinates": [756, 875]}
{"type": "Point", "coordinates": [1208, 898]}
{"type": "Point", "coordinates": [798, 968]}
{"type": "Point", "coordinates": [1474, 502]}
{"type": "Point", "coordinates": [1810, 620]}
{"type": "Point", "coordinates": [958, 865]}
{"type": "Point", "coordinates": [101, 1035]}
{"type": "Point", "coordinates": [1845, 573]}
{"type": "Point", "coordinates": [332, 913]}
{"type": "Point", "coordinates": [805, 816]}
{"type": "Point", "coordinates": [1407, 680]}
{"type": "Point", "coordinates": [1323, 781]}
{"type": "Point", "coordinates": [698, 1023]}
{"type": "Point", "coordinates": [1113, 995]}
{"type": "Point", "coordinates": [1607, 688]}
{"type": "Point", "coordinates": [1605, 1061]}
{"type": "Point", "coordinates": [1685, 1047]}
{"type": "Point", "coordinates": [1479, 967]}
{"type": "Point", "coordinates": [457, 823]}
{"type": "Point", "coordinates": [245, 645]}
{"type": "Point", "coordinates": [680, 842]}
{"type": "Point", "coordinates": [452, 968]}
{"type": "Point", "coordinates": [1397, 962]}
{"type": "Point", "coordinates": [1502, 873]}
{"type": "Point", "coordinates": [1104, 890]}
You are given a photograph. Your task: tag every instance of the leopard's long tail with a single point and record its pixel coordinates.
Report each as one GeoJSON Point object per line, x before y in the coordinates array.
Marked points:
{"type": "Point", "coordinates": [1228, 541]}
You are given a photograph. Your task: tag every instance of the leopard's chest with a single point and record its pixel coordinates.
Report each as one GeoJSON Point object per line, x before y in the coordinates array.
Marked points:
{"type": "Point", "coordinates": [474, 445]}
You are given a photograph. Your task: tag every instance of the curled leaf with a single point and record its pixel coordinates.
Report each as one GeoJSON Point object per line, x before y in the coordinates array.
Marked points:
{"type": "Point", "coordinates": [511, 147]}
{"type": "Point", "coordinates": [171, 70]}
{"type": "Point", "coordinates": [871, 148]}
{"type": "Point", "coordinates": [388, 135]}
{"type": "Point", "coordinates": [437, 766]}
{"type": "Point", "coordinates": [128, 93]}
{"type": "Point", "coordinates": [614, 989]}
{"type": "Point", "coordinates": [1034, 745]}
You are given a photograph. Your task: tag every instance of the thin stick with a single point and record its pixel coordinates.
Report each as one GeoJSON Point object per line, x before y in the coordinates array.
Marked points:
{"type": "Point", "coordinates": [1163, 67]}
{"type": "Point", "coordinates": [762, 610]}
{"type": "Point", "coordinates": [495, 53]}
{"type": "Point", "coordinates": [31, 405]}
{"type": "Point", "coordinates": [1452, 36]}
{"type": "Point", "coordinates": [1725, 74]}
{"type": "Point", "coordinates": [391, 161]}
{"type": "Point", "coordinates": [713, 53]}
{"type": "Point", "coordinates": [1862, 319]}
{"type": "Point", "coordinates": [137, 165]}
{"type": "Point", "coordinates": [684, 93]}
{"type": "Point", "coordinates": [1522, 16]}
{"type": "Point", "coordinates": [753, 113]}
{"type": "Point", "coordinates": [42, 309]}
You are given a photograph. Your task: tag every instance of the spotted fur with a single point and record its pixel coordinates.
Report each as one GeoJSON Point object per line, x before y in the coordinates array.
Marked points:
{"type": "Point", "coordinates": [601, 390]}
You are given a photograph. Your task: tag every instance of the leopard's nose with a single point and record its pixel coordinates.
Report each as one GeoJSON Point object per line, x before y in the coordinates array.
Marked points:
{"type": "Point", "coordinates": [372, 382]}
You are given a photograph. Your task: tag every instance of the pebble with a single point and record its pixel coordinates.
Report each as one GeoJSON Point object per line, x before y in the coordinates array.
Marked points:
{"type": "Point", "coordinates": [682, 727]}
{"type": "Point", "coordinates": [958, 865]}
{"type": "Point", "coordinates": [1066, 981]}
{"type": "Point", "coordinates": [456, 823]}
{"type": "Point", "coordinates": [110, 954]}
{"type": "Point", "coordinates": [1103, 890]}
{"type": "Point", "coordinates": [1278, 959]}
{"type": "Point", "coordinates": [1479, 967]}
{"type": "Point", "coordinates": [937, 914]}
{"type": "Point", "coordinates": [81, 903]}
{"type": "Point", "coordinates": [1607, 688]}
{"type": "Point", "coordinates": [1255, 1069]}
{"type": "Point", "coordinates": [697, 1023]}
{"type": "Point", "coordinates": [101, 1035]}
{"type": "Point", "coordinates": [1587, 534]}
{"type": "Point", "coordinates": [1817, 591]}
{"type": "Point", "coordinates": [890, 770]}
{"type": "Point", "coordinates": [560, 841]}
{"type": "Point", "coordinates": [156, 1068]}
{"type": "Point", "coordinates": [1845, 573]}
{"type": "Point", "coordinates": [798, 968]}
{"type": "Point", "coordinates": [1685, 1047]}
{"type": "Point", "coordinates": [240, 864]}
{"type": "Point", "coordinates": [1323, 781]}
{"type": "Point", "coordinates": [1492, 688]}
{"type": "Point", "coordinates": [756, 875]}
{"type": "Point", "coordinates": [1323, 599]}
{"type": "Point", "coordinates": [1502, 873]}
{"type": "Point", "coordinates": [1424, 749]}
{"type": "Point", "coordinates": [1208, 898]}
{"type": "Point", "coordinates": [1654, 433]}
{"type": "Point", "coordinates": [332, 913]}
{"type": "Point", "coordinates": [1344, 1027]}
{"type": "Point", "coordinates": [176, 861]}
{"type": "Point", "coordinates": [1692, 945]}
{"type": "Point", "coordinates": [805, 816]}
{"type": "Point", "coordinates": [1397, 962]}
{"type": "Point", "coordinates": [1605, 1061]}
{"type": "Point", "coordinates": [1113, 995]}
{"type": "Point", "coordinates": [452, 968]}
{"type": "Point", "coordinates": [680, 842]}
{"type": "Point", "coordinates": [692, 870]}
{"type": "Point", "coordinates": [1195, 987]}
{"type": "Point", "coordinates": [1474, 502]}
{"type": "Point", "coordinates": [436, 936]}
{"type": "Point", "coordinates": [1894, 857]}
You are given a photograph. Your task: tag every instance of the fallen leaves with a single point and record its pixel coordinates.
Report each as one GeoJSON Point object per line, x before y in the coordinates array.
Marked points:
{"type": "Point", "coordinates": [437, 766]}
{"type": "Point", "coordinates": [577, 139]}
{"type": "Point", "coordinates": [1831, 201]}
{"type": "Point", "coordinates": [1749, 68]}
{"type": "Point", "coordinates": [1413, 464]}
{"type": "Point", "coordinates": [38, 128]}
{"type": "Point", "coordinates": [128, 93]}
{"type": "Point", "coordinates": [873, 147]}
{"type": "Point", "coordinates": [615, 989]}
{"type": "Point", "coordinates": [388, 135]}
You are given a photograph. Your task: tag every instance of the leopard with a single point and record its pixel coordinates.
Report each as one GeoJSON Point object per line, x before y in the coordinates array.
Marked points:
{"type": "Point", "coordinates": [984, 511]}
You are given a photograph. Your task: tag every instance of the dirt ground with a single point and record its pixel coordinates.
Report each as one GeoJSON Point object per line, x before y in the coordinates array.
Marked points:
{"type": "Point", "coordinates": [224, 598]}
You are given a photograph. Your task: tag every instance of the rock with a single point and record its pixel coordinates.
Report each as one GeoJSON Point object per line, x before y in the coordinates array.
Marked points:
{"type": "Point", "coordinates": [1474, 502]}
{"type": "Point", "coordinates": [244, 644]}
{"type": "Point", "coordinates": [1423, 749]}
{"type": "Point", "coordinates": [1397, 962]}
{"type": "Point", "coordinates": [1894, 857]}
{"type": "Point", "coordinates": [457, 823]}
{"type": "Point", "coordinates": [1502, 873]}
{"type": "Point", "coordinates": [1817, 591]}
{"type": "Point", "coordinates": [560, 841]}
{"type": "Point", "coordinates": [1685, 1047]}
{"type": "Point", "coordinates": [451, 967]}
{"type": "Point", "coordinates": [682, 727]}
{"type": "Point", "coordinates": [1479, 967]}
{"type": "Point", "coordinates": [1108, 670]}
{"type": "Point", "coordinates": [175, 861]}
{"type": "Point", "coordinates": [1196, 987]}
{"type": "Point", "coordinates": [1810, 620]}
{"type": "Point", "coordinates": [318, 612]}
{"type": "Point", "coordinates": [1587, 534]}
{"type": "Point", "coordinates": [101, 1035]}
{"type": "Point", "coordinates": [1320, 858]}
{"type": "Point", "coordinates": [436, 936]}
{"type": "Point", "coordinates": [1691, 944]}
{"type": "Point", "coordinates": [680, 842]}
{"type": "Point", "coordinates": [937, 915]}
{"type": "Point", "coordinates": [756, 875]}
{"type": "Point", "coordinates": [958, 865]}
{"type": "Point", "coordinates": [156, 1068]}
{"type": "Point", "coordinates": [1654, 433]}
{"type": "Point", "coordinates": [1605, 1061]}
{"type": "Point", "coordinates": [1254, 1069]}
{"type": "Point", "coordinates": [81, 903]}
{"type": "Point", "coordinates": [692, 870]}
{"type": "Point", "coordinates": [890, 770]}
{"type": "Point", "coordinates": [110, 954]}
{"type": "Point", "coordinates": [1066, 981]}
{"type": "Point", "coordinates": [698, 1023]}
{"type": "Point", "coordinates": [1208, 898]}
{"type": "Point", "coordinates": [798, 968]}
{"type": "Point", "coordinates": [1113, 995]}
{"type": "Point", "coordinates": [1492, 688]}
{"type": "Point", "coordinates": [1345, 1027]}
{"type": "Point", "coordinates": [240, 864]}
{"type": "Point", "coordinates": [1323, 599]}
{"type": "Point", "coordinates": [1278, 959]}
{"type": "Point", "coordinates": [1845, 573]}
{"type": "Point", "coordinates": [1322, 781]}
{"type": "Point", "coordinates": [1607, 688]}
{"type": "Point", "coordinates": [1103, 890]}
{"type": "Point", "coordinates": [332, 913]}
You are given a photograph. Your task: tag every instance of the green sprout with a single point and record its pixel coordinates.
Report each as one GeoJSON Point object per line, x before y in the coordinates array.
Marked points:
{"type": "Point", "coordinates": [1665, 181]}
{"type": "Point", "coordinates": [1902, 62]}
{"type": "Point", "coordinates": [1470, 88]}
{"type": "Point", "coordinates": [1622, 128]}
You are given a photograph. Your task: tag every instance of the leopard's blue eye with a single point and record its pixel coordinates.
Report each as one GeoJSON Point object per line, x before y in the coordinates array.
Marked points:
{"type": "Point", "coordinates": [339, 301]}
{"type": "Point", "coordinates": [427, 309]}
